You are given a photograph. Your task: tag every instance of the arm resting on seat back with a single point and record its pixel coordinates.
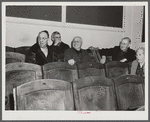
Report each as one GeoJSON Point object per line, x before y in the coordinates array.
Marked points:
{"type": "Point", "coordinates": [106, 51]}
{"type": "Point", "coordinates": [130, 56]}
{"type": "Point", "coordinates": [123, 60]}
{"type": "Point", "coordinates": [30, 57]}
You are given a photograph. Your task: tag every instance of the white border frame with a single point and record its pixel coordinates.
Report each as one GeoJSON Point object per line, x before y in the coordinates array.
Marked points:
{"type": "Point", "coordinates": [74, 115]}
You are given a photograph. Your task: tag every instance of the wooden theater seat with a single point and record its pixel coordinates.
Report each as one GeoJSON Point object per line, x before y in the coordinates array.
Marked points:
{"type": "Point", "coordinates": [129, 92]}
{"type": "Point", "coordinates": [129, 67]}
{"type": "Point", "coordinates": [17, 74]}
{"type": "Point", "coordinates": [10, 49]}
{"type": "Point", "coordinates": [95, 55]}
{"type": "Point", "coordinates": [22, 50]}
{"type": "Point", "coordinates": [94, 93]}
{"type": "Point", "coordinates": [45, 94]}
{"type": "Point", "coordinates": [91, 69]}
{"type": "Point", "coordinates": [115, 68]}
{"type": "Point", "coordinates": [12, 57]}
{"type": "Point", "coordinates": [61, 71]}
{"type": "Point", "coordinates": [142, 108]}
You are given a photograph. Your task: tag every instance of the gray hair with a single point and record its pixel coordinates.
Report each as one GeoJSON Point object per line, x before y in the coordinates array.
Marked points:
{"type": "Point", "coordinates": [45, 31]}
{"type": "Point", "coordinates": [53, 34]}
{"type": "Point", "coordinates": [141, 48]}
{"type": "Point", "coordinates": [127, 39]}
{"type": "Point", "coordinates": [75, 38]}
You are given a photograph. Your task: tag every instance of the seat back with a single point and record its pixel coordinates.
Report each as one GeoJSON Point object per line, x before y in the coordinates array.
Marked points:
{"type": "Point", "coordinates": [114, 69]}
{"type": "Point", "coordinates": [94, 93]}
{"type": "Point", "coordinates": [142, 108]}
{"type": "Point", "coordinates": [90, 53]}
{"type": "Point", "coordinates": [17, 74]}
{"type": "Point", "coordinates": [22, 50]}
{"type": "Point", "coordinates": [12, 57]}
{"type": "Point", "coordinates": [58, 65]}
{"type": "Point", "coordinates": [91, 72]}
{"type": "Point", "coordinates": [91, 69]}
{"type": "Point", "coordinates": [108, 59]}
{"type": "Point", "coordinates": [10, 49]}
{"type": "Point", "coordinates": [129, 67]}
{"type": "Point", "coordinates": [45, 94]}
{"type": "Point", "coordinates": [61, 71]}
{"type": "Point", "coordinates": [129, 92]}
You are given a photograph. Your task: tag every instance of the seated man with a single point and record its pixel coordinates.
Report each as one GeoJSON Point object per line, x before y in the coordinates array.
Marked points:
{"type": "Point", "coordinates": [40, 53]}
{"type": "Point", "coordinates": [75, 54]}
{"type": "Point", "coordinates": [58, 47]}
{"type": "Point", "coordinates": [121, 53]}
{"type": "Point", "coordinates": [138, 65]}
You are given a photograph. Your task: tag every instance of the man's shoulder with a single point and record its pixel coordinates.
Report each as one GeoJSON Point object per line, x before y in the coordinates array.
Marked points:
{"type": "Point", "coordinates": [114, 48]}
{"type": "Point", "coordinates": [69, 50]}
{"type": "Point", "coordinates": [50, 45]}
{"type": "Point", "coordinates": [64, 44]}
{"type": "Point", "coordinates": [34, 47]}
{"type": "Point", "coordinates": [131, 50]}
{"type": "Point", "coordinates": [83, 50]}
{"type": "Point", "coordinates": [117, 47]}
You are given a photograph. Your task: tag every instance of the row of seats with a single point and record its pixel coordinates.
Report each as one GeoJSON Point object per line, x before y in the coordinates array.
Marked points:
{"type": "Point", "coordinates": [90, 93]}
{"type": "Point", "coordinates": [20, 73]}
{"type": "Point", "coordinates": [21, 50]}
{"type": "Point", "coordinates": [19, 56]}
{"type": "Point", "coordinates": [111, 69]}
{"type": "Point", "coordinates": [24, 49]}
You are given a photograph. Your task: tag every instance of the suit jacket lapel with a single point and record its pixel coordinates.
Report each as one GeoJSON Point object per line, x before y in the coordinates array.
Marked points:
{"type": "Point", "coordinates": [42, 55]}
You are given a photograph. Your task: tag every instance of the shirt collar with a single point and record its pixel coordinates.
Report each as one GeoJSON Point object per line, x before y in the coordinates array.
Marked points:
{"type": "Point", "coordinates": [57, 44]}
{"type": "Point", "coordinates": [77, 50]}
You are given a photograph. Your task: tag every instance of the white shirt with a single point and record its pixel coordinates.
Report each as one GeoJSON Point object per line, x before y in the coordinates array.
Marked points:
{"type": "Point", "coordinates": [45, 51]}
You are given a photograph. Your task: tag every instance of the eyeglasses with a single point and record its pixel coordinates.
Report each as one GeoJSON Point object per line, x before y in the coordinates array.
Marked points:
{"type": "Point", "coordinates": [76, 41]}
{"type": "Point", "coordinates": [123, 43]}
{"type": "Point", "coordinates": [57, 37]}
{"type": "Point", "coordinates": [43, 38]}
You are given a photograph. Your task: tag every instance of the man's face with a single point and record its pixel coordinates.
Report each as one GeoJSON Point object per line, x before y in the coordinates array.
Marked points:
{"type": "Point", "coordinates": [77, 43]}
{"type": "Point", "coordinates": [43, 39]}
{"type": "Point", "coordinates": [57, 38]}
{"type": "Point", "coordinates": [140, 56]}
{"type": "Point", "coordinates": [124, 44]}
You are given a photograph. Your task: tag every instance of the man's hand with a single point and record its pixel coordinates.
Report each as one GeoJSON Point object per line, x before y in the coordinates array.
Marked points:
{"type": "Point", "coordinates": [71, 61]}
{"type": "Point", "coordinates": [33, 56]}
{"type": "Point", "coordinates": [123, 60]}
{"type": "Point", "coordinates": [103, 60]}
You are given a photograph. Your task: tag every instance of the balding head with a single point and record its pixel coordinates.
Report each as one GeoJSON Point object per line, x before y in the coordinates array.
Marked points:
{"type": "Point", "coordinates": [77, 43]}
{"type": "Point", "coordinates": [42, 38]}
{"type": "Point", "coordinates": [125, 43]}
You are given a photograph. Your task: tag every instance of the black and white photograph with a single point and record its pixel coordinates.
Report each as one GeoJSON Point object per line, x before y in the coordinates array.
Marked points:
{"type": "Point", "coordinates": [75, 61]}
